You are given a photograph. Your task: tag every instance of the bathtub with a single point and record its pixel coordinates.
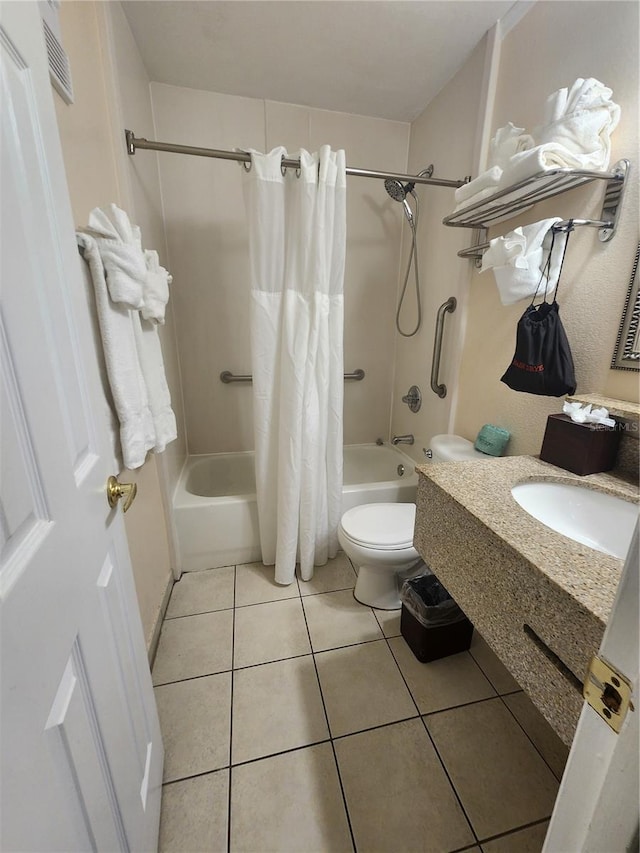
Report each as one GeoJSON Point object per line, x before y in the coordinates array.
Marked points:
{"type": "Point", "coordinates": [215, 508]}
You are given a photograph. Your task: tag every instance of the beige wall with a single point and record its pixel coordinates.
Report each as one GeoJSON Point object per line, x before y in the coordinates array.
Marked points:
{"type": "Point", "coordinates": [550, 48]}
{"type": "Point", "coordinates": [97, 174]}
{"type": "Point", "coordinates": [206, 229]}
{"type": "Point", "coordinates": [442, 135]}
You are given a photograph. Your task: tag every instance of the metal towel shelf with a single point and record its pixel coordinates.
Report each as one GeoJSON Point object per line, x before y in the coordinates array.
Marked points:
{"type": "Point", "coordinates": [227, 376]}
{"type": "Point", "coordinates": [510, 201]}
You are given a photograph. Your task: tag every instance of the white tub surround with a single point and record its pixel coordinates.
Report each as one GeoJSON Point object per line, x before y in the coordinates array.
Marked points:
{"type": "Point", "coordinates": [215, 501]}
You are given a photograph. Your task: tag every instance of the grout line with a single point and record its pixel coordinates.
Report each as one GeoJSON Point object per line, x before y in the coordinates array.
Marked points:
{"type": "Point", "coordinates": [233, 639]}
{"type": "Point", "coordinates": [192, 677]}
{"type": "Point", "coordinates": [199, 613]}
{"type": "Point", "coordinates": [446, 772]}
{"type": "Point", "coordinates": [279, 753]}
{"type": "Point", "coordinates": [515, 829]}
{"type": "Point", "coordinates": [461, 705]}
{"type": "Point", "coordinates": [196, 775]}
{"type": "Point", "coordinates": [333, 748]}
{"type": "Point", "coordinates": [533, 743]}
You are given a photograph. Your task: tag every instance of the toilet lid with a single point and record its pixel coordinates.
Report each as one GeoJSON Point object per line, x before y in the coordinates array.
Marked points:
{"type": "Point", "coordinates": [385, 526]}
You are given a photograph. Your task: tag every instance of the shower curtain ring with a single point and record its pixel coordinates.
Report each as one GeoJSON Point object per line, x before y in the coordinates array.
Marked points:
{"type": "Point", "coordinates": [298, 172]}
{"type": "Point", "coordinates": [283, 168]}
{"type": "Point", "coordinates": [246, 165]}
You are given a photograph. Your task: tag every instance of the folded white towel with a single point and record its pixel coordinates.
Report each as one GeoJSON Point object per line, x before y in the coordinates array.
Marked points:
{"type": "Point", "coordinates": [156, 289]}
{"type": "Point", "coordinates": [120, 247]}
{"type": "Point", "coordinates": [487, 180]}
{"type": "Point", "coordinates": [542, 158]}
{"type": "Point", "coordinates": [128, 386]}
{"type": "Point", "coordinates": [475, 199]}
{"type": "Point", "coordinates": [519, 258]}
{"type": "Point", "coordinates": [582, 120]}
{"type": "Point", "coordinates": [509, 140]}
{"type": "Point", "coordinates": [152, 365]}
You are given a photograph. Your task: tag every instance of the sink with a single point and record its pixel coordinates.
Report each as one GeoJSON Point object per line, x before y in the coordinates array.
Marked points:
{"type": "Point", "coordinates": [601, 521]}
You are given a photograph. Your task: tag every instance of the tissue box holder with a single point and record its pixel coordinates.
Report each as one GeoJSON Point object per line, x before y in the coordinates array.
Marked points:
{"type": "Point", "coordinates": [579, 448]}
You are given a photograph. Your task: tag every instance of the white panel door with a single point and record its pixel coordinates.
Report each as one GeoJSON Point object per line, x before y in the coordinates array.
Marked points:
{"type": "Point", "coordinates": [81, 750]}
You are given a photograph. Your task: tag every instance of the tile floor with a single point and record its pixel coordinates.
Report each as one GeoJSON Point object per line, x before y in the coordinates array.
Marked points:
{"type": "Point", "coordinates": [295, 719]}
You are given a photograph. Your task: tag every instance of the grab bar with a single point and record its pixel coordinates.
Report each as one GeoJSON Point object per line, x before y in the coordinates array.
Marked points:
{"type": "Point", "coordinates": [227, 376]}
{"type": "Point", "coordinates": [447, 307]}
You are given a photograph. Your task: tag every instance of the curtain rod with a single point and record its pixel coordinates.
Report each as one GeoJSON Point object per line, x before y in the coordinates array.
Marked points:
{"type": "Point", "coordinates": [134, 142]}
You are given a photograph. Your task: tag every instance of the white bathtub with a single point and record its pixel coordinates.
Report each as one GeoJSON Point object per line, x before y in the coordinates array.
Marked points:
{"type": "Point", "coordinates": [215, 507]}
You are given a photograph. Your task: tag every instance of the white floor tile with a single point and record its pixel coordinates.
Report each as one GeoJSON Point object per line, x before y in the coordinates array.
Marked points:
{"type": "Point", "coordinates": [440, 684]}
{"type": "Point", "coordinates": [268, 632]}
{"type": "Point", "coordinates": [337, 574]}
{"type": "Point", "coordinates": [398, 795]}
{"type": "Point", "coordinates": [492, 666]}
{"type": "Point", "coordinates": [194, 645]}
{"type": "Point", "coordinates": [195, 814]}
{"type": "Point", "coordinates": [528, 840]}
{"type": "Point", "coordinates": [554, 751]}
{"type": "Point", "coordinates": [336, 619]}
{"type": "Point", "coordinates": [289, 803]}
{"type": "Point", "coordinates": [195, 721]}
{"type": "Point", "coordinates": [362, 687]}
{"type": "Point", "coordinates": [276, 706]}
{"type": "Point", "coordinates": [199, 592]}
{"type": "Point", "coordinates": [389, 621]}
{"type": "Point", "coordinates": [501, 779]}
{"type": "Point", "coordinates": [255, 585]}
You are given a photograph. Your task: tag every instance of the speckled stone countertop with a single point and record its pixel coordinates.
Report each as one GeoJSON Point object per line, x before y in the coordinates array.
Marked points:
{"type": "Point", "coordinates": [512, 574]}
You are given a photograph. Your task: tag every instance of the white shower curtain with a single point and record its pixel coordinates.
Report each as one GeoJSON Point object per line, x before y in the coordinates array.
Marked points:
{"type": "Point", "coordinates": [297, 234]}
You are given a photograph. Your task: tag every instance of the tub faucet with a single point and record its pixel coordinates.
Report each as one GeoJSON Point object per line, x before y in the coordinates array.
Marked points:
{"type": "Point", "coordinates": [402, 439]}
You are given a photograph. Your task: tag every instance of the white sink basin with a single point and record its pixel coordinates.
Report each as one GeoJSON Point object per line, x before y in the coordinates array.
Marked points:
{"type": "Point", "coordinates": [601, 521]}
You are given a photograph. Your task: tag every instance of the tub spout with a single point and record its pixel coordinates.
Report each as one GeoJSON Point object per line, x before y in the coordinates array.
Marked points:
{"type": "Point", "coordinates": [402, 439]}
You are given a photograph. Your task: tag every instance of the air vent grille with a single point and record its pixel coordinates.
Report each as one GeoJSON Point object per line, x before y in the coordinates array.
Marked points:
{"type": "Point", "coordinates": [59, 69]}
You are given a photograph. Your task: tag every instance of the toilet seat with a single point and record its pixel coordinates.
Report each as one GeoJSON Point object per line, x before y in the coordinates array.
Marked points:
{"type": "Point", "coordinates": [382, 526]}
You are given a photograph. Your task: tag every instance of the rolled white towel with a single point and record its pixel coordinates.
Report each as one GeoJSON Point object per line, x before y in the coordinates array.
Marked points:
{"type": "Point", "coordinates": [582, 120]}
{"type": "Point", "coordinates": [120, 247]}
{"type": "Point", "coordinates": [519, 258]}
{"type": "Point", "coordinates": [155, 290]}
{"type": "Point", "coordinates": [509, 140]}
{"type": "Point", "coordinates": [487, 180]}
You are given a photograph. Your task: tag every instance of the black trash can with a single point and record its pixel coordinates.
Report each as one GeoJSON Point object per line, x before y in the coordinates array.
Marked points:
{"type": "Point", "coordinates": [431, 622]}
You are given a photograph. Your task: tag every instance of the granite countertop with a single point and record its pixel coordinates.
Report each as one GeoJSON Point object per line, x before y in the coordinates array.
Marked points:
{"type": "Point", "coordinates": [483, 488]}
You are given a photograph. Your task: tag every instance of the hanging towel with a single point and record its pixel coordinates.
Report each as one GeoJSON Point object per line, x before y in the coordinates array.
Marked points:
{"type": "Point", "coordinates": [156, 289]}
{"type": "Point", "coordinates": [152, 366]}
{"type": "Point", "coordinates": [120, 246]}
{"type": "Point", "coordinates": [519, 258]}
{"type": "Point", "coordinates": [128, 386]}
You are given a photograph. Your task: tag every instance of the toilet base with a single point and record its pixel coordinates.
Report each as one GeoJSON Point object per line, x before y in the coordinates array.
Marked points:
{"type": "Point", "coordinates": [380, 588]}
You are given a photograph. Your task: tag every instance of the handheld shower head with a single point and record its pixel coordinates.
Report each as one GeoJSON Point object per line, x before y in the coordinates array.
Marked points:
{"type": "Point", "coordinates": [396, 190]}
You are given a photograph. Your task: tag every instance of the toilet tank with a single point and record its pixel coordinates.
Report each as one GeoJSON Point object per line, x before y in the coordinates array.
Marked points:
{"type": "Point", "coordinates": [454, 448]}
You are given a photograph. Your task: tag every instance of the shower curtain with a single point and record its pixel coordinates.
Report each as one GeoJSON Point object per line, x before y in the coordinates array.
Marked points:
{"type": "Point", "coordinates": [297, 235]}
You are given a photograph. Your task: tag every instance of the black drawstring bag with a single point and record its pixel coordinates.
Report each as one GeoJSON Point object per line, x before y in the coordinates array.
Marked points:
{"type": "Point", "coordinates": [542, 363]}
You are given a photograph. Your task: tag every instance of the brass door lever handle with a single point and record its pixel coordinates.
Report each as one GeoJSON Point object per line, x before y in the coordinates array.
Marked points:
{"type": "Point", "coordinates": [116, 490]}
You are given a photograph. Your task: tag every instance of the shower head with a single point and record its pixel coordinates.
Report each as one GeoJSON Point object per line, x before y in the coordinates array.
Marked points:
{"type": "Point", "coordinates": [396, 190]}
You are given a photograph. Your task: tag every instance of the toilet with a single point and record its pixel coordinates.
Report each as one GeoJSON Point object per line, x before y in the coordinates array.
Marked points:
{"type": "Point", "coordinates": [378, 538]}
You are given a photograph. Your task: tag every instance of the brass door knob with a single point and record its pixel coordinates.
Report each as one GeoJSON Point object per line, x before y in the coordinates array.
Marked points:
{"type": "Point", "coordinates": [116, 490]}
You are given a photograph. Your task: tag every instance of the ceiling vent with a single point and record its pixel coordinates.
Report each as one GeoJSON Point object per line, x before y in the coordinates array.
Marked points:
{"type": "Point", "coordinates": [59, 69]}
